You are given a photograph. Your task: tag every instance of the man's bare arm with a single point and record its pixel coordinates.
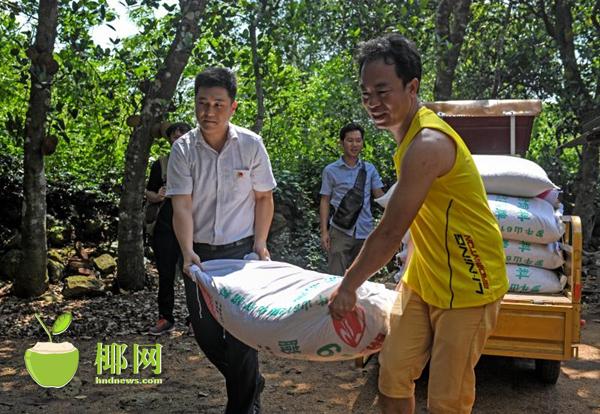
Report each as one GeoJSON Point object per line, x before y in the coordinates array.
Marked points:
{"type": "Point", "coordinates": [263, 216]}
{"type": "Point", "coordinates": [324, 220]}
{"type": "Point", "coordinates": [183, 226]}
{"type": "Point", "coordinates": [377, 192]}
{"type": "Point", "coordinates": [156, 197]}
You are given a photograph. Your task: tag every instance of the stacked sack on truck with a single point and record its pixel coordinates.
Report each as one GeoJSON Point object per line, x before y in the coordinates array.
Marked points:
{"type": "Point", "coordinates": [525, 203]}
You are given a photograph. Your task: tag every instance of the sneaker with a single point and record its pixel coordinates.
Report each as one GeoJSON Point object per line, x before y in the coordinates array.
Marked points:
{"type": "Point", "coordinates": [162, 326]}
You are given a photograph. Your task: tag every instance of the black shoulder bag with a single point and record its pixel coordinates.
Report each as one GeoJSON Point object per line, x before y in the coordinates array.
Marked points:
{"type": "Point", "coordinates": [349, 209]}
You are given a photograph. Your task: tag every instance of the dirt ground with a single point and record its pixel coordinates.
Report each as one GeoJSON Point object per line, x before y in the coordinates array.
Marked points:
{"type": "Point", "coordinates": [191, 385]}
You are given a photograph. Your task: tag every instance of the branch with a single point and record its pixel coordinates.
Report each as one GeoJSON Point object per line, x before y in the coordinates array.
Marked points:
{"type": "Point", "coordinates": [443, 21]}
{"type": "Point", "coordinates": [595, 13]}
{"type": "Point", "coordinates": [16, 9]}
{"type": "Point", "coordinates": [550, 28]}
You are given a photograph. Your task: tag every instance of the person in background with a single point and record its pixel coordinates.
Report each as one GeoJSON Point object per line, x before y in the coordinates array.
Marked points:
{"type": "Point", "coordinates": [221, 184]}
{"type": "Point", "coordinates": [451, 291]}
{"type": "Point", "coordinates": [164, 243]}
{"type": "Point", "coordinates": [343, 244]}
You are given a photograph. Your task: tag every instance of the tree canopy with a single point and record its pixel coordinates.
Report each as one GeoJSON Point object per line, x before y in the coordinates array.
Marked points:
{"type": "Point", "coordinates": [297, 79]}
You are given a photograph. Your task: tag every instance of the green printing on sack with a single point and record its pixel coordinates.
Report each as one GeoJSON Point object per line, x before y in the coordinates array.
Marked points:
{"type": "Point", "coordinates": [522, 272]}
{"type": "Point", "coordinates": [524, 246]}
{"type": "Point", "coordinates": [329, 350]}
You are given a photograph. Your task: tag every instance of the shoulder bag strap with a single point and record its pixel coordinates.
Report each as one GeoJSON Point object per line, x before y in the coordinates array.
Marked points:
{"type": "Point", "coordinates": [361, 178]}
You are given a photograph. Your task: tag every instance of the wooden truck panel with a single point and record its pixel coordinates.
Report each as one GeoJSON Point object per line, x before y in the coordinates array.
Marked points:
{"type": "Point", "coordinates": [543, 326]}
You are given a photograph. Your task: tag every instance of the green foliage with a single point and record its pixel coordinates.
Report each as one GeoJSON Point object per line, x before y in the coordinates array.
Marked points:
{"type": "Point", "coordinates": [293, 199]}
{"type": "Point", "coordinates": [13, 79]}
{"type": "Point", "coordinates": [503, 53]}
{"type": "Point", "coordinates": [310, 82]}
{"type": "Point", "coordinates": [552, 129]}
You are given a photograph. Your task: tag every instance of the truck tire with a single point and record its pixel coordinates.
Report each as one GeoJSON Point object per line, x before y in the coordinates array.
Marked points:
{"type": "Point", "coordinates": [547, 371]}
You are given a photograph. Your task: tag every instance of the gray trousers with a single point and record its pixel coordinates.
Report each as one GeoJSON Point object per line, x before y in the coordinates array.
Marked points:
{"type": "Point", "coordinates": [343, 249]}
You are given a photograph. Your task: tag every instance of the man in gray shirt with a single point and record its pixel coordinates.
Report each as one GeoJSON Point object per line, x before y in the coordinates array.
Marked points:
{"type": "Point", "coordinates": [343, 244]}
{"type": "Point", "coordinates": [220, 181]}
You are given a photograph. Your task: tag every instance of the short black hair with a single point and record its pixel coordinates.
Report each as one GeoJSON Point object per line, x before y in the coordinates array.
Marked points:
{"type": "Point", "coordinates": [221, 77]}
{"type": "Point", "coordinates": [352, 126]}
{"type": "Point", "coordinates": [394, 49]}
{"type": "Point", "coordinates": [177, 126]}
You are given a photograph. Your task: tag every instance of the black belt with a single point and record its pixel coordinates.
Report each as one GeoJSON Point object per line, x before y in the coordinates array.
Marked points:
{"type": "Point", "coordinates": [213, 248]}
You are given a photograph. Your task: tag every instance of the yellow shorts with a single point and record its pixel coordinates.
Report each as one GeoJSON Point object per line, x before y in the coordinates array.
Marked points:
{"type": "Point", "coordinates": [452, 339]}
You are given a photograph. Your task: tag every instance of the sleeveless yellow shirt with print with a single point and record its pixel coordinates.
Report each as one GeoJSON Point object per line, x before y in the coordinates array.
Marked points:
{"type": "Point", "coordinates": [458, 260]}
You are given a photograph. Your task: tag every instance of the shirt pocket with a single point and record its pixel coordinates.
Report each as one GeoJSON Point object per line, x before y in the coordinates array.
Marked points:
{"type": "Point", "coordinates": [242, 181]}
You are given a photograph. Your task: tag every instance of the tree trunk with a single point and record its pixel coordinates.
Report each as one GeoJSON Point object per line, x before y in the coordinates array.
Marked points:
{"type": "Point", "coordinates": [260, 13]}
{"type": "Point", "coordinates": [498, 54]}
{"type": "Point", "coordinates": [451, 24]}
{"type": "Point", "coordinates": [258, 79]}
{"type": "Point", "coordinates": [131, 271]}
{"type": "Point", "coordinates": [580, 101]}
{"type": "Point", "coordinates": [585, 201]}
{"type": "Point", "coordinates": [32, 280]}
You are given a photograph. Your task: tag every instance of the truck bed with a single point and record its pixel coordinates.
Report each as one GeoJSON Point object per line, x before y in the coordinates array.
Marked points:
{"type": "Point", "coordinates": [543, 326]}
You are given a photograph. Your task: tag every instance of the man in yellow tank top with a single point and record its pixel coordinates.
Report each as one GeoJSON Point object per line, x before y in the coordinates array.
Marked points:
{"type": "Point", "coordinates": [455, 279]}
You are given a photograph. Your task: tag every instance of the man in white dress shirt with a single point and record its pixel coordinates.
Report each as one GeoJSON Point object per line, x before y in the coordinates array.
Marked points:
{"type": "Point", "coordinates": [220, 181]}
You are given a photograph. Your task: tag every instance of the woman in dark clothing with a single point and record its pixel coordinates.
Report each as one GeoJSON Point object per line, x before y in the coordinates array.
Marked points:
{"type": "Point", "coordinates": [164, 243]}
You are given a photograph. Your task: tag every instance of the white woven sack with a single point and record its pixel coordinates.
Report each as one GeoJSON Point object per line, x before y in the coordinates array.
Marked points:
{"type": "Point", "coordinates": [281, 309]}
{"type": "Point", "coordinates": [547, 256]}
{"type": "Point", "coordinates": [530, 279]}
{"type": "Point", "coordinates": [526, 219]}
{"type": "Point", "coordinates": [383, 200]}
{"type": "Point", "coordinates": [552, 196]}
{"type": "Point", "coordinates": [503, 174]}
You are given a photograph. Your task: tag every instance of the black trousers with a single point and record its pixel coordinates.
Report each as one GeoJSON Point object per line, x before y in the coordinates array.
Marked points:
{"type": "Point", "coordinates": [167, 253]}
{"type": "Point", "coordinates": [236, 361]}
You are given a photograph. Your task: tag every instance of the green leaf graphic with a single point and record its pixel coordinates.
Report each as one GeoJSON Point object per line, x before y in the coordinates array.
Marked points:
{"type": "Point", "coordinates": [62, 323]}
